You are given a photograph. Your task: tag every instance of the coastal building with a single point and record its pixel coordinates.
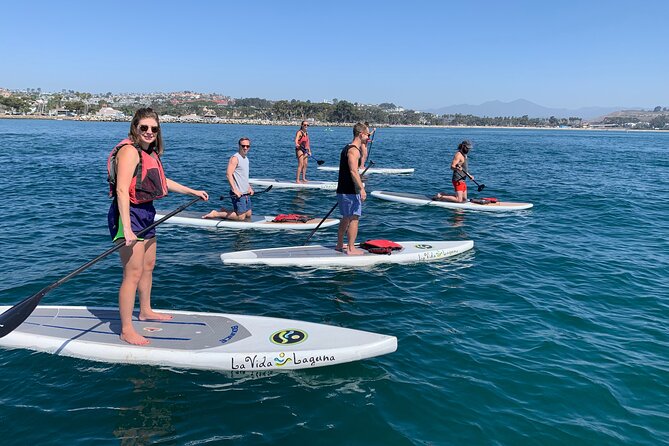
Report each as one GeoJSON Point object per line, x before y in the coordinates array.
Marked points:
{"type": "Point", "coordinates": [109, 113]}
{"type": "Point", "coordinates": [193, 117]}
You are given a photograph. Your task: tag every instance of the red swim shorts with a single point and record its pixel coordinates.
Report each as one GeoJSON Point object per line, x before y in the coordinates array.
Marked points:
{"type": "Point", "coordinates": [460, 186]}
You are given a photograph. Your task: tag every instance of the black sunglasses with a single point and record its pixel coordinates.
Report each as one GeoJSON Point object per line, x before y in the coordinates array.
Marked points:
{"type": "Point", "coordinates": [144, 128]}
{"type": "Point", "coordinates": [245, 146]}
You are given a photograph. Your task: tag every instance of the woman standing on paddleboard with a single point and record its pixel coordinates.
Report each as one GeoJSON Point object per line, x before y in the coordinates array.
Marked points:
{"type": "Point", "coordinates": [302, 151]}
{"type": "Point", "coordinates": [136, 178]}
{"type": "Point", "coordinates": [460, 168]}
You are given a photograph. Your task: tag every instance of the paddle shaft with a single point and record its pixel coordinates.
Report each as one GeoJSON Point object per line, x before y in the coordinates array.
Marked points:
{"type": "Point", "coordinates": [369, 147]}
{"type": "Point", "coordinates": [254, 194]}
{"type": "Point", "coordinates": [15, 315]}
{"type": "Point", "coordinates": [480, 186]}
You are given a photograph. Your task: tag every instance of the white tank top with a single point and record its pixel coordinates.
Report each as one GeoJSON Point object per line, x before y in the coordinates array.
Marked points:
{"type": "Point", "coordinates": [241, 173]}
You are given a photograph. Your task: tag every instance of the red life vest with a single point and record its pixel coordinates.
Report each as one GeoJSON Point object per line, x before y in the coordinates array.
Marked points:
{"type": "Point", "coordinates": [291, 218]}
{"type": "Point", "coordinates": [380, 246]}
{"type": "Point", "coordinates": [148, 182]}
{"type": "Point", "coordinates": [303, 142]}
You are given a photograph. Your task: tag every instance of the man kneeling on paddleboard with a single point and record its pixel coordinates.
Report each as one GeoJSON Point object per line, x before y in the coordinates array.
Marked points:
{"type": "Point", "coordinates": [350, 189]}
{"type": "Point", "coordinates": [460, 169]}
{"type": "Point", "coordinates": [240, 189]}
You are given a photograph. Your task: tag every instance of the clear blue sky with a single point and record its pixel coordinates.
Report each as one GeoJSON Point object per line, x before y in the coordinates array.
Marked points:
{"type": "Point", "coordinates": [418, 54]}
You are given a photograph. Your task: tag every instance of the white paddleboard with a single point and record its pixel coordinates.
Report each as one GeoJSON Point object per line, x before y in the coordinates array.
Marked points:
{"type": "Point", "coordinates": [207, 341]}
{"type": "Point", "coordinates": [379, 170]}
{"type": "Point", "coordinates": [424, 200]}
{"type": "Point", "coordinates": [255, 222]}
{"type": "Point", "coordinates": [318, 255]}
{"type": "Point", "coordinates": [330, 185]}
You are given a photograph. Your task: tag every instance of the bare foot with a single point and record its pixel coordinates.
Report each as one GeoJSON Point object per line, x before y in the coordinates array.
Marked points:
{"type": "Point", "coordinates": [212, 214]}
{"type": "Point", "coordinates": [298, 181]}
{"type": "Point", "coordinates": [134, 338]}
{"type": "Point", "coordinates": [355, 252]}
{"type": "Point", "coordinates": [339, 248]}
{"type": "Point", "coordinates": [153, 316]}
{"type": "Point", "coordinates": [304, 180]}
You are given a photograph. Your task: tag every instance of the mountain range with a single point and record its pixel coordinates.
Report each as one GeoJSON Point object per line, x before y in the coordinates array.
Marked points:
{"type": "Point", "coordinates": [521, 107]}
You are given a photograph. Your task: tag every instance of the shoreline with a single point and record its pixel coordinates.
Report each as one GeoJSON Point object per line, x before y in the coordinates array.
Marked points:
{"type": "Point", "coordinates": [225, 121]}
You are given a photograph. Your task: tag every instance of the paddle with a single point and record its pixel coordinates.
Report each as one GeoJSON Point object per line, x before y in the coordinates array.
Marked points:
{"type": "Point", "coordinates": [480, 186]}
{"type": "Point", "coordinates": [319, 162]}
{"type": "Point", "coordinates": [369, 147]}
{"type": "Point", "coordinates": [371, 163]}
{"type": "Point", "coordinates": [254, 194]}
{"type": "Point", "coordinates": [15, 315]}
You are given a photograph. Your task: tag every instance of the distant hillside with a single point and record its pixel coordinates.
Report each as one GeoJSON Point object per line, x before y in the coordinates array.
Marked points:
{"type": "Point", "coordinates": [521, 107]}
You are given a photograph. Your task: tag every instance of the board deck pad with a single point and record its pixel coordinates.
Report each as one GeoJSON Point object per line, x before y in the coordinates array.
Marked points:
{"type": "Point", "coordinates": [183, 332]}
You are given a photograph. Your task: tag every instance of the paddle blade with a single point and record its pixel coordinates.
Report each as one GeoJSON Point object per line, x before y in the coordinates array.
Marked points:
{"type": "Point", "coordinates": [320, 162]}
{"type": "Point", "coordinates": [14, 316]}
{"type": "Point", "coordinates": [481, 187]}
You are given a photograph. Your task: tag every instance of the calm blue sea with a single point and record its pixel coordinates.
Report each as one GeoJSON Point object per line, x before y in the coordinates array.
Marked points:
{"type": "Point", "coordinates": [552, 331]}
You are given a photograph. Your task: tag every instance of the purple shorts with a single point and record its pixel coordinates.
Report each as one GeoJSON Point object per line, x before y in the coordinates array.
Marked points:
{"type": "Point", "coordinates": [349, 204]}
{"type": "Point", "coordinates": [141, 216]}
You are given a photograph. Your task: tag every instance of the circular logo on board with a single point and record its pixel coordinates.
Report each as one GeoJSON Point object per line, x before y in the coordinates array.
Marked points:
{"type": "Point", "coordinates": [424, 246]}
{"type": "Point", "coordinates": [291, 336]}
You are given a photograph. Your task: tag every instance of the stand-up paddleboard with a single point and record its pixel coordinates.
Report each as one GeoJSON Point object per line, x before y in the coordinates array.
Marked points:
{"type": "Point", "coordinates": [424, 200]}
{"type": "Point", "coordinates": [379, 170]}
{"type": "Point", "coordinates": [255, 222]}
{"type": "Point", "coordinates": [318, 255]}
{"type": "Point", "coordinates": [330, 185]}
{"type": "Point", "coordinates": [207, 341]}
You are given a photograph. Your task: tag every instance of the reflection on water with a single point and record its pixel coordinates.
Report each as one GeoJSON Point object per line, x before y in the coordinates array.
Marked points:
{"type": "Point", "coordinates": [151, 416]}
{"type": "Point", "coordinates": [242, 241]}
{"type": "Point", "coordinates": [457, 218]}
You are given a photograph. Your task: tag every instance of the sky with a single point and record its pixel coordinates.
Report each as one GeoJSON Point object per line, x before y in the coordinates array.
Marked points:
{"type": "Point", "coordinates": [417, 54]}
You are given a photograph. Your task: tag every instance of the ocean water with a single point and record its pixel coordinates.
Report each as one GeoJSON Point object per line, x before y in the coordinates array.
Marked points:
{"type": "Point", "coordinates": [552, 331]}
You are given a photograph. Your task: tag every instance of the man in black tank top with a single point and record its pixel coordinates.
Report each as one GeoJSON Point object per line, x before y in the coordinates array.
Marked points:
{"type": "Point", "coordinates": [350, 190]}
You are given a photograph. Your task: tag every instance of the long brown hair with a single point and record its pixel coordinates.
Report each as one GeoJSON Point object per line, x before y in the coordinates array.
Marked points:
{"type": "Point", "coordinates": [140, 114]}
